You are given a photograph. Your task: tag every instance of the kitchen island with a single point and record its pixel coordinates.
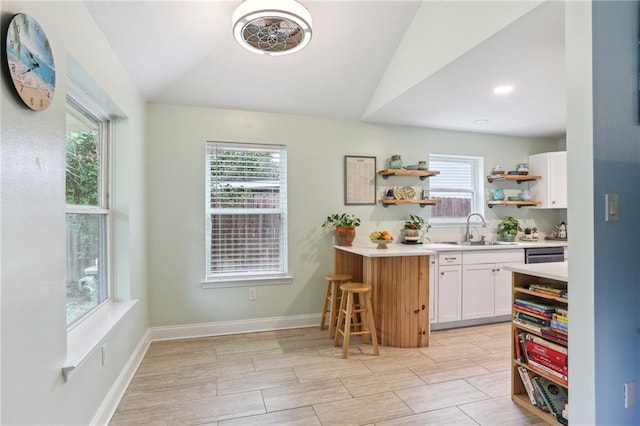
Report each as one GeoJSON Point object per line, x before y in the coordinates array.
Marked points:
{"type": "Point", "coordinates": [399, 277]}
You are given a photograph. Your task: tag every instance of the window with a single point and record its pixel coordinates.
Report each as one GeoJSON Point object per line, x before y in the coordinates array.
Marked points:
{"type": "Point", "coordinates": [87, 212]}
{"type": "Point", "coordinates": [458, 186]}
{"type": "Point", "coordinates": [246, 209]}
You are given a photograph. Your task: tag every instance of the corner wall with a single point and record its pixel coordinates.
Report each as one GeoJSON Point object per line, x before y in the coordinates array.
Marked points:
{"type": "Point", "coordinates": [32, 223]}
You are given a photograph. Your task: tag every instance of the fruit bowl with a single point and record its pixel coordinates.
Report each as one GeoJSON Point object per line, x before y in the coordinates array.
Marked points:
{"type": "Point", "coordinates": [381, 238]}
{"type": "Point", "coordinates": [382, 244]}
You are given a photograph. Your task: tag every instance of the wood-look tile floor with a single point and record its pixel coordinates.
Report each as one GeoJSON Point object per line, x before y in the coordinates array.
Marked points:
{"type": "Point", "coordinates": [297, 377]}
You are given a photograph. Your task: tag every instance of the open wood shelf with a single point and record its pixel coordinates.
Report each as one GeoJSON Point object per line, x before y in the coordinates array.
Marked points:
{"type": "Point", "coordinates": [422, 203]}
{"type": "Point", "coordinates": [517, 178]}
{"type": "Point", "coordinates": [422, 174]}
{"type": "Point", "coordinates": [520, 203]}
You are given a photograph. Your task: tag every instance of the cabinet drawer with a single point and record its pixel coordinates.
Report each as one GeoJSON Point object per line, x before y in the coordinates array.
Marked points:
{"type": "Point", "coordinates": [493, 256]}
{"type": "Point", "coordinates": [450, 258]}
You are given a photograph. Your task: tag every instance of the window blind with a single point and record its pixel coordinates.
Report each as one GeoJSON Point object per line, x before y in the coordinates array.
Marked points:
{"type": "Point", "coordinates": [457, 186]}
{"type": "Point", "coordinates": [246, 203]}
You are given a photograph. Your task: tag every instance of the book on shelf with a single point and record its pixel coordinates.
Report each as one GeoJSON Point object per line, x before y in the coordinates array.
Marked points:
{"type": "Point", "coordinates": [556, 361]}
{"type": "Point", "coordinates": [531, 311]}
{"type": "Point", "coordinates": [548, 344]}
{"type": "Point", "coordinates": [560, 318]}
{"type": "Point", "coordinates": [528, 385]}
{"type": "Point", "coordinates": [517, 345]}
{"type": "Point", "coordinates": [547, 290]}
{"type": "Point", "coordinates": [555, 336]}
{"type": "Point", "coordinates": [559, 325]}
{"type": "Point", "coordinates": [527, 325]}
{"type": "Point", "coordinates": [535, 305]}
{"type": "Point", "coordinates": [533, 361]}
{"type": "Point", "coordinates": [562, 311]}
{"type": "Point", "coordinates": [554, 395]}
{"type": "Point", "coordinates": [528, 317]}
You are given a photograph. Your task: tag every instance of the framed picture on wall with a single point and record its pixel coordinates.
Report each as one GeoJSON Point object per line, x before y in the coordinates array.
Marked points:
{"type": "Point", "coordinates": [359, 180]}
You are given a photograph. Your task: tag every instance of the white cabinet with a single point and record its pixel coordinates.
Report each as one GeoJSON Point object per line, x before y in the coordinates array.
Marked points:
{"type": "Point", "coordinates": [486, 286]}
{"type": "Point", "coordinates": [477, 291]}
{"type": "Point", "coordinates": [449, 286]}
{"type": "Point", "coordinates": [551, 188]}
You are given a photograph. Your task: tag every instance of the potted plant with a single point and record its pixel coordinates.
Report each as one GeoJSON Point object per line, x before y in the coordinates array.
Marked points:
{"type": "Point", "coordinates": [344, 225]}
{"type": "Point", "coordinates": [414, 226]}
{"type": "Point", "coordinates": [508, 228]}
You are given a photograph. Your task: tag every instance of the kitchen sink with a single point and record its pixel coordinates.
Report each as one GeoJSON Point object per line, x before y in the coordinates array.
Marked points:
{"type": "Point", "coordinates": [480, 243]}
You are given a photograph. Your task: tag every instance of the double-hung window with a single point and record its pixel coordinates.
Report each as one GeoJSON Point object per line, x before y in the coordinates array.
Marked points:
{"type": "Point", "coordinates": [246, 214]}
{"type": "Point", "coordinates": [87, 211]}
{"type": "Point", "coordinates": [459, 186]}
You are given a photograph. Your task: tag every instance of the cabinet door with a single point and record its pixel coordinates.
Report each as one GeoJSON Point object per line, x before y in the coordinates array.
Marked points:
{"type": "Point", "coordinates": [449, 293]}
{"type": "Point", "coordinates": [502, 292]}
{"type": "Point", "coordinates": [558, 180]}
{"type": "Point", "coordinates": [477, 291]}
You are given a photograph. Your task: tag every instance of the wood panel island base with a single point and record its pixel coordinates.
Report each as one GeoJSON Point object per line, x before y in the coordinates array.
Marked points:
{"type": "Point", "coordinates": [399, 277]}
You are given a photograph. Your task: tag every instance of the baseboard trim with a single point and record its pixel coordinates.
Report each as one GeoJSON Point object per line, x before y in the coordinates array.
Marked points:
{"type": "Point", "coordinates": [469, 323]}
{"type": "Point", "coordinates": [234, 327]}
{"type": "Point", "coordinates": [115, 394]}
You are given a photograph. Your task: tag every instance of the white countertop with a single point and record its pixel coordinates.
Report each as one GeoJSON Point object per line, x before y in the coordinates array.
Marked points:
{"type": "Point", "coordinates": [554, 270]}
{"type": "Point", "coordinates": [398, 249]}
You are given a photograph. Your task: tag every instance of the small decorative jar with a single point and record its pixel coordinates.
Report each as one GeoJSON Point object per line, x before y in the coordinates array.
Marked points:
{"type": "Point", "coordinates": [422, 165]}
{"type": "Point", "coordinates": [395, 162]}
{"type": "Point", "coordinates": [525, 194]}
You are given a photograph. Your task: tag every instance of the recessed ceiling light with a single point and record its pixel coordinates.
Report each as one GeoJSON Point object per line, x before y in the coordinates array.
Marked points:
{"type": "Point", "coordinates": [503, 90]}
{"type": "Point", "coordinates": [480, 121]}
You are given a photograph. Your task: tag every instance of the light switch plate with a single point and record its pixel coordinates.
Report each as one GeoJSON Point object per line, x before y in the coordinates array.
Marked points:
{"type": "Point", "coordinates": [630, 394]}
{"type": "Point", "coordinates": [611, 207]}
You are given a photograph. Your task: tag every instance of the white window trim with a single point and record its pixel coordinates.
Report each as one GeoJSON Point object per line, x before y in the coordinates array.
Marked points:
{"type": "Point", "coordinates": [478, 198]}
{"type": "Point", "coordinates": [87, 334]}
{"type": "Point", "coordinates": [242, 280]}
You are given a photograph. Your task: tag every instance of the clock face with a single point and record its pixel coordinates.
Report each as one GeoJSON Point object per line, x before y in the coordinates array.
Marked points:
{"type": "Point", "coordinates": [30, 62]}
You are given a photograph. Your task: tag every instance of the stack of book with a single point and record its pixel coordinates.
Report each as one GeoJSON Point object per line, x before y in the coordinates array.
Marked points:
{"type": "Point", "coordinates": [532, 315]}
{"type": "Point", "coordinates": [558, 330]}
{"type": "Point", "coordinates": [547, 356]}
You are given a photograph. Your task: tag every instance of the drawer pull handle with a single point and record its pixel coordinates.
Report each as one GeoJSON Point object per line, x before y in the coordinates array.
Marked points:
{"type": "Point", "coordinates": [449, 258]}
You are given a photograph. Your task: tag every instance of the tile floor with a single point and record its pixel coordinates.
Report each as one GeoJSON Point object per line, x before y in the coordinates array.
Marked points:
{"type": "Point", "coordinates": [297, 377]}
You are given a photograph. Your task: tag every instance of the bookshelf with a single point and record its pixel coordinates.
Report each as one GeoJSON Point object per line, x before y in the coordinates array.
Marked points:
{"type": "Point", "coordinates": [539, 336]}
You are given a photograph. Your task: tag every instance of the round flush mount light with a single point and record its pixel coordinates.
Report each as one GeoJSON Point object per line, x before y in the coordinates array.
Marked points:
{"type": "Point", "coordinates": [272, 27]}
{"type": "Point", "coordinates": [503, 90]}
{"type": "Point", "coordinates": [481, 121]}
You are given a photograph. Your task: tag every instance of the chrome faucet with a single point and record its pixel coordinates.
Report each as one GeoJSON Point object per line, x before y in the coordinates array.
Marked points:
{"type": "Point", "coordinates": [467, 234]}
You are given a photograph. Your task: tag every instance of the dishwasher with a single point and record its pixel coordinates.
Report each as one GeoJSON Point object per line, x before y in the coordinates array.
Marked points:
{"type": "Point", "coordinates": [544, 254]}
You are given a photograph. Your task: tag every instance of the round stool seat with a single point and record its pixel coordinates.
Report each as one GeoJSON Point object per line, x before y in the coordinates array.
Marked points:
{"type": "Point", "coordinates": [338, 277]}
{"type": "Point", "coordinates": [355, 287]}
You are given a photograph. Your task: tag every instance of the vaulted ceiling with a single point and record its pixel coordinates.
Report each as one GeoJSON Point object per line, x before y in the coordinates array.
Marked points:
{"type": "Point", "coordinates": [418, 63]}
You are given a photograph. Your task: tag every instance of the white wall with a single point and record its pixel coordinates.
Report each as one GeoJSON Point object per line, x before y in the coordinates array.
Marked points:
{"type": "Point", "coordinates": [32, 209]}
{"type": "Point", "coordinates": [316, 150]}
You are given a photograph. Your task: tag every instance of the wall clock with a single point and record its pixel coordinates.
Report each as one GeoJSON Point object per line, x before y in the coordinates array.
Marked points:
{"type": "Point", "coordinates": [30, 62]}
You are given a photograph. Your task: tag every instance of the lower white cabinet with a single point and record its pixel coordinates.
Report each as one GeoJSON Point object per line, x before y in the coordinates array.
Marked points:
{"type": "Point", "coordinates": [486, 286]}
{"type": "Point", "coordinates": [449, 286]}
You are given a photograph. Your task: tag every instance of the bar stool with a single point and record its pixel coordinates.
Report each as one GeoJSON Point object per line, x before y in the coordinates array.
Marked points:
{"type": "Point", "coordinates": [331, 298]}
{"type": "Point", "coordinates": [347, 309]}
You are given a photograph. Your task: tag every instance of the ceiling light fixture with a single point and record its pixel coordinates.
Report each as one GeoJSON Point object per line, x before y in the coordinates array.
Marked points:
{"type": "Point", "coordinates": [272, 27]}
{"type": "Point", "coordinates": [503, 90]}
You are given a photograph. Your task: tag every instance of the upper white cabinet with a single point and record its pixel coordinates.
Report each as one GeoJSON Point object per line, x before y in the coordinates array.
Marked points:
{"type": "Point", "coordinates": [551, 188]}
